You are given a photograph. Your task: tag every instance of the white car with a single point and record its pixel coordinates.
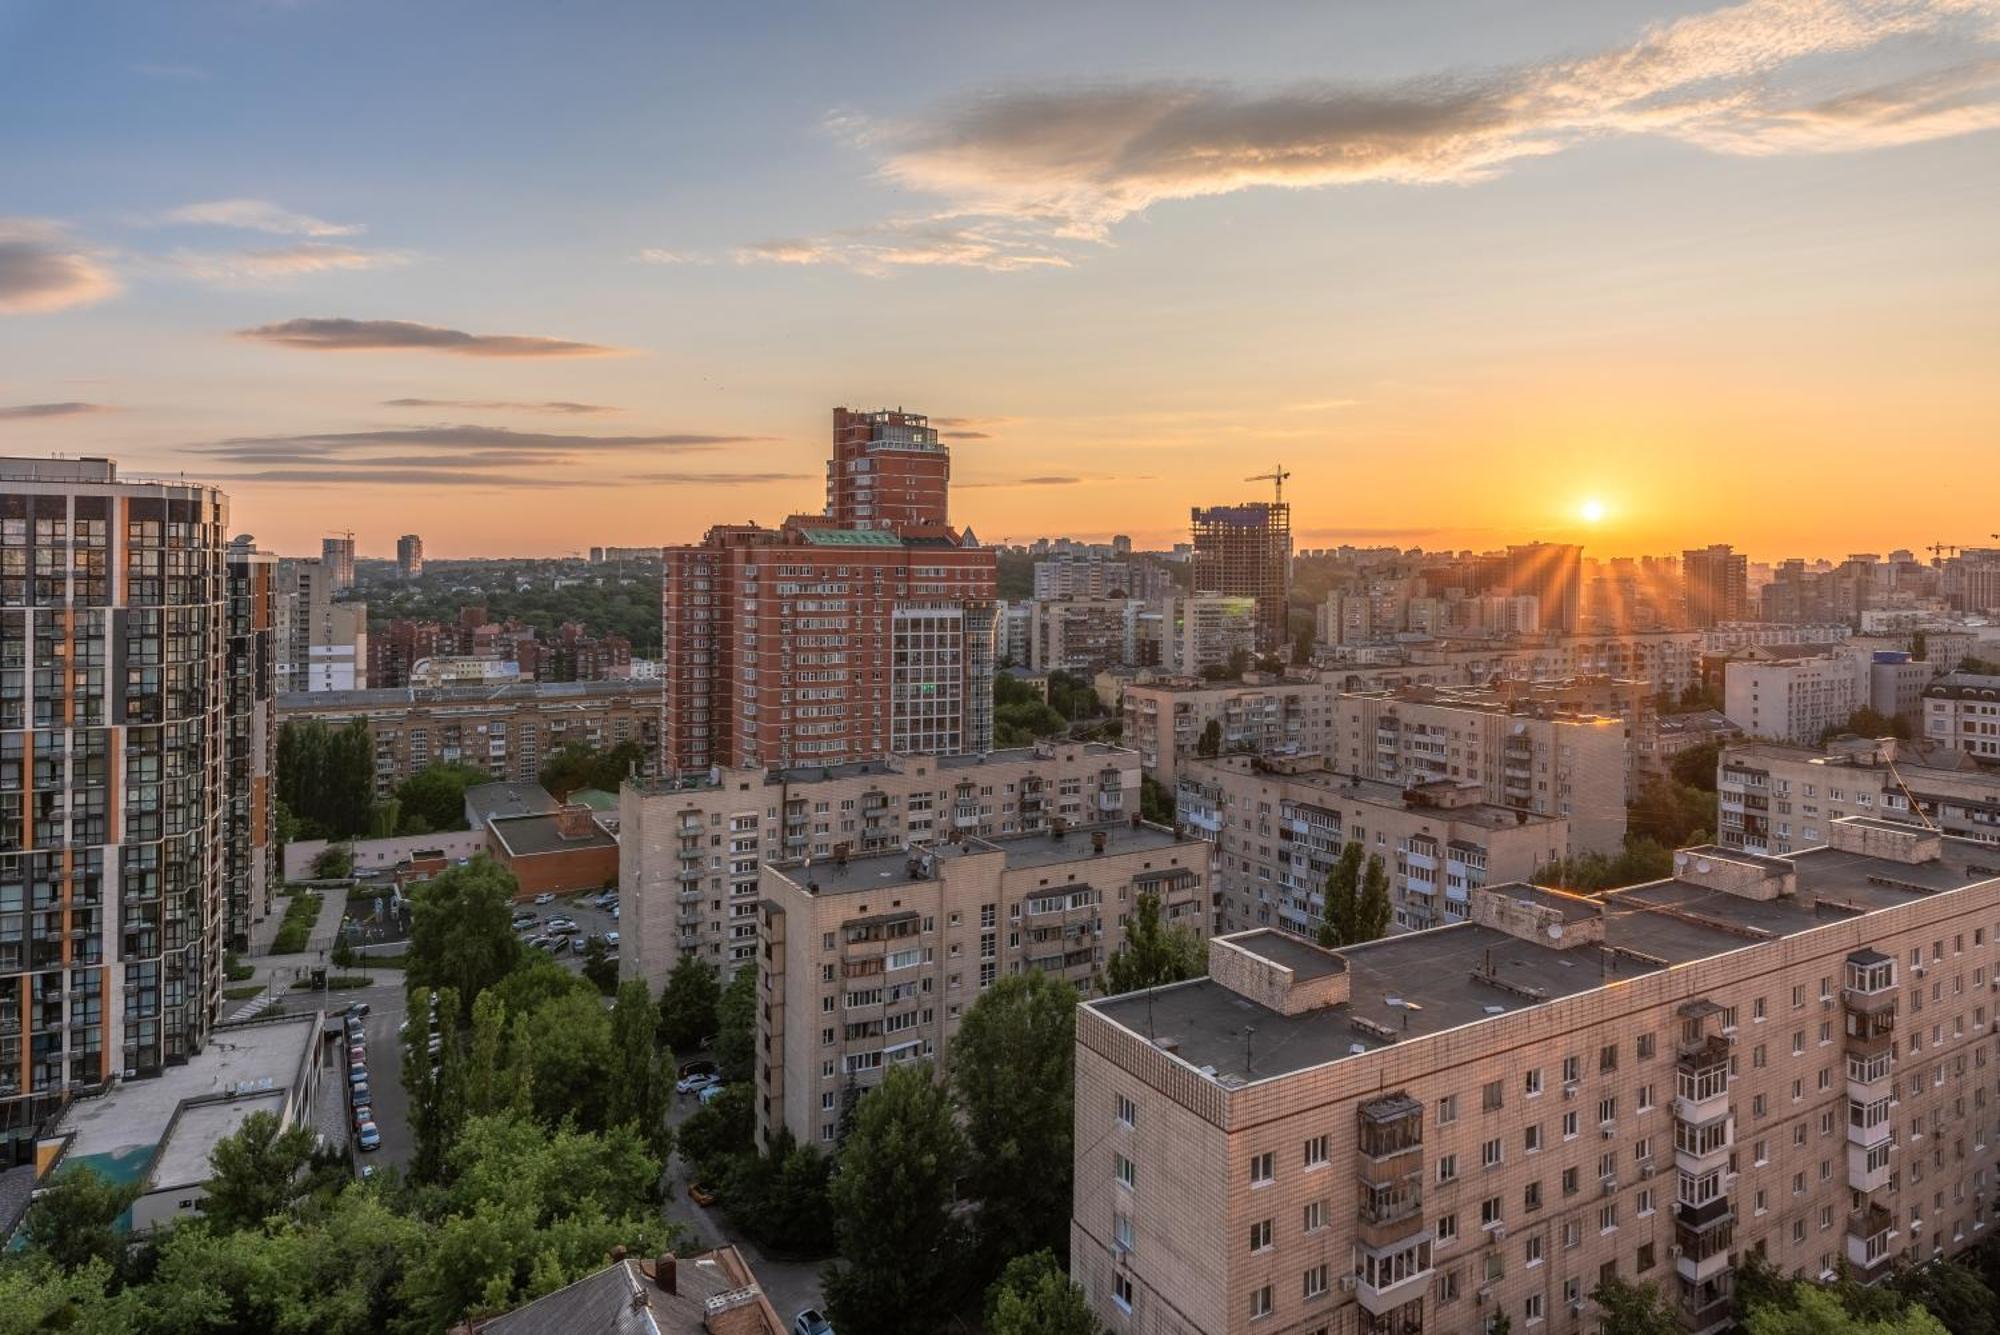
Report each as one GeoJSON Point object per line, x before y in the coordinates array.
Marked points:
{"type": "Point", "coordinates": [611, 939]}
{"type": "Point", "coordinates": [545, 898]}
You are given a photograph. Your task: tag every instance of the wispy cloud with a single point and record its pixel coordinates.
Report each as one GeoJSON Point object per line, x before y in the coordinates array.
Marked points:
{"type": "Point", "coordinates": [970, 421]}
{"type": "Point", "coordinates": [1321, 405]}
{"type": "Point", "coordinates": [965, 435]}
{"type": "Point", "coordinates": [256, 215]}
{"type": "Point", "coordinates": [1042, 481]}
{"type": "Point", "coordinates": [433, 477]}
{"type": "Point", "coordinates": [1027, 173]}
{"type": "Point", "coordinates": [307, 257]}
{"type": "Point", "coordinates": [661, 255]}
{"type": "Point", "coordinates": [23, 411]}
{"type": "Point", "coordinates": [43, 269]}
{"type": "Point", "coordinates": [504, 405]}
{"type": "Point", "coordinates": [722, 479]}
{"type": "Point", "coordinates": [344, 335]}
{"type": "Point", "coordinates": [453, 443]}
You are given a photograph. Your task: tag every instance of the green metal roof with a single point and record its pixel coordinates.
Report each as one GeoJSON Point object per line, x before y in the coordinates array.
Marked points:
{"type": "Point", "coordinates": [851, 537]}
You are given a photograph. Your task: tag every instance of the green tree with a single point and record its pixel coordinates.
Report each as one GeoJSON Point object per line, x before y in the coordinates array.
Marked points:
{"type": "Point", "coordinates": [1156, 801]}
{"type": "Point", "coordinates": [335, 862]}
{"type": "Point", "coordinates": [780, 1196]}
{"type": "Point", "coordinates": [599, 967]}
{"type": "Point", "coordinates": [1372, 911]}
{"type": "Point", "coordinates": [565, 1045]}
{"type": "Point", "coordinates": [1153, 954]}
{"type": "Point", "coordinates": [1034, 1297]}
{"type": "Point", "coordinates": [1671, 814]}
{"type": "Point", "coordinates": [76, 1220]}
{"type": "Point", "coordinates": [578, 766]}
{"type": "Point", "coordinates": [1634, 1309]}
{"type": "Point", "coordinates": [435, 796]}
{"type": "Point", "coordinates": [493, 1083]}
{"type": "Point", "coordinates": [736, 1026]}
{"type": "Point", "coordinates": [688, 1004]}
{"type": "Point", "coordinates": [1759, 1283]}
{"type": "Point", "coordinates": [1302, 647]}
{"type": "Point", "coordinates": [1695, 767]}
{"type": "Point", "coordinates": [461, 931]}
{"type": "Point", "coordinates": [435, 1085]}
{"type": "Point", "coordinates": [901, 1244]}
{"type": "Point", "coordinates": [326, 777]}
{"type": "Point", "coordinates": [1340, 908]}
{"type": "Point", "coordinates": [642, 1078]}
{"type": "Point", "coordinates": [257, 1174]}
{"type": "Point", "coordinates": [1209, 744]}
{"type": "Point", "coordinates": [1013, 1068]}
{"type": "Point", "coordinates": [1920, 647]}
{"type": "Point", "coordinates": [721, 1131]}
{"type": "Point", "coordinates": [1819, 1311]}
{"type": "Point", "coordinates": [1953, 1293]}
{"type": "Point", "coordinates": [37, 1295]}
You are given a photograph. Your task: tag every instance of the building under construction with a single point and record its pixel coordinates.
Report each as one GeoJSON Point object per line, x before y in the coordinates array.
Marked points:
{"type": "Point", "coordinates": [1246, 550]}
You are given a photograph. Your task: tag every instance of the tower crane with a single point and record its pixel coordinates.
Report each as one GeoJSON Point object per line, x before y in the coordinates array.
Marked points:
{"type": "Point", "coordinates": [1276, 477]}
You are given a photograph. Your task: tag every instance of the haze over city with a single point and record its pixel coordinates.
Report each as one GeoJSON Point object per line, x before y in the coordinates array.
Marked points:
{"type": "Point", "coordinates": [1640, 276]}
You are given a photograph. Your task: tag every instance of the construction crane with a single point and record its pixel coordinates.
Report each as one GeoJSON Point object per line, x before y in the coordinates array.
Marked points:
{"type": "Point", "coordinates": [1276, 477]}
{"type": "Point", "coordinates": [1939, 549]}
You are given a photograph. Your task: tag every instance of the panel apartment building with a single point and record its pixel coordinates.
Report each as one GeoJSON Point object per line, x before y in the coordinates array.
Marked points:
{"type": "Point", "coordinates": [1962, 710]}
{"type": "Point", "coordinates": [1785, 1056]}
{"type": "Point", "coordinates": [1794, 699]}
{"type": "Point", "coordinates": [1277, 827]}
{"type": "Point", "coordinates": [839, 637]}
{"type": "Point", "coordinates": [694, 847]}
{"type": "Point", "coordinates": [1572, 767]}
{"type": "Point", "coordinates": [322, 645]}
{"type": "Point", "coordinates": [872, 961]}
{"type": "Point", "coordinates": [115, 778]}
{"type": "Point", "coordinates": [1164, 719]}
{"type": "Point", "coordinates": [506, 730]}
{"type": "Point", "coordinates": [1245, 551]}
{"type": "Point", "coordinates": [1774, 799]}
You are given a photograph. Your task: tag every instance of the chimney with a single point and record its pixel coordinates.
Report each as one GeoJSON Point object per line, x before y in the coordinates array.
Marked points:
{"type": "Point", "coordinates": [617, 1254]}
{"type": "Point", "coordinates": [573, 821]}
{"type": "Point", "coordinates": [1097, 841]}
{"type": "Point", "coordinates": [666, 1273]}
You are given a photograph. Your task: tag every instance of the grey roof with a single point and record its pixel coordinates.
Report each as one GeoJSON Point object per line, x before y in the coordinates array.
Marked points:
{"type": "Point", "coordinates": [622, 1299]}
{"type": "Point", "coordinates": [394, 697]}
{"type": "Point", "coordinates": [1427, 982]}
{"type": "Point", "coordinates": [1306, 962]}
{"type": "Point", "coordinates": [518, 797]}
{"type": "Point", "coordinates": [525, 836]}
{"type": "Point", "coordinates": [880, 871]}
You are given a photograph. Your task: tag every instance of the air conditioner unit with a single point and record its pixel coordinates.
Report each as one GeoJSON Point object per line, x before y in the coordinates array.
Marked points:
{"type": "Point", "coordinates": [1646, 1167]}
{"type": "Point", "coordinates": [1569, 1091]}
{"type": "Point", "coordinates": [1481, 1296]}
{"type": "Point", "coordinates": [1674, 1250]}
{"type": "Point", "coordinates": [1347, 1283]}
{"type": "Point", "coordinates": [1609, 1186]}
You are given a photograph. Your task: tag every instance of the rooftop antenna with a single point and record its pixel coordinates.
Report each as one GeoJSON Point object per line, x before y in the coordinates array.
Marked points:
{"type": "Point", "coordinates": [1249, 1032]}
{"type": "Point", "coordinates": [1276, 477]}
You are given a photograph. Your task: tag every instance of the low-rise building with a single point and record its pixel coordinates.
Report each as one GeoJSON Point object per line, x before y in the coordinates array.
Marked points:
{"type": "Point", "coordinates": [1774, 799]}
{"type": "Point", "coordinates": [1674, 734]}
{"type": "Point", "coordinates": [159, 1131]}
{"type": "Point", "coordinates": [1438, 1130]}
{"type": "Point", "coordinates": [1962, 711]}
{"type": "Point", "coordinates": [714, 1293]}
{"type": "Point", "coordinates": [872, 961]}
{"type": "Point", "coordinates": [1164, 719]}
{"type": "Point", "coordinates": [559, 852]}
{"type": "Point", "coordinates": [1794, 699]}
{"type": "Point", "coordinates": [1277, 827]}
{"type": "Point", "coordinates": [693, 847]}
{"type": "Point", "coordinates": [508, 731]}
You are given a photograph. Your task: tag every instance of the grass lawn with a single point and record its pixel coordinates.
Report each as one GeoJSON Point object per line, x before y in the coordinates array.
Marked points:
{"type": "Point", "coordinates": [301, 912]}
{"type": "Point", "coordinates": [242, 993]}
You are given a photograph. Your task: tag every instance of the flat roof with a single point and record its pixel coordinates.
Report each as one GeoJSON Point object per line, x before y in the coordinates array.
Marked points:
{"type": "Point", "coordinates": [1305, 961]}
{"type": "Point", "coordinates": [260, 1060]}
{"type": "Point", "coordinates": [525, 836]}
{"type": "Point", "coordinates": [877, 871]}
{"type": "Point", "coordinates": [1427, 982]}
{"type": "Point", "coordinates": [1382, 793]}
{"type": "Point", "coordinates": [900, 766]}
{"type": "Point", "coordinates": [515, 797]}
{"type": "Point", "coordinates": [517, 692]}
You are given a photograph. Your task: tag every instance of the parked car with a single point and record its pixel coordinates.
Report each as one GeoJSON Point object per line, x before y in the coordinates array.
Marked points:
{"type": "Point", "coordinates": [810, 1322]}
{"type": "Point", "coordinates": [611, 939]}
{"type": "Point", "coordinates": [357, 1073]}
{"type": "Point", "coordinates": [696, 1084]}
{"type": "Point", "coordinates": [700, 1195]}
{"type": "Point", "coordinates": [357, 1095]}
{"type": "Point", "coordinates": [367, 1171]}
{"type": "Point", "coordinates": [369, 1138]}
{"type": "Point", "coordinates": [364, 1113]}
{"type": "Point", "coordinates": [358, 1010]}
{"type": "Point", "coordinates": [357, 1055]}
{"type": "Point", "coordinates": [545, 897]}
{"type": "Point", "coordinates": [711, 1092]}
{"type": "Point", "coordinates": [537, 943]}
{"type": "Point", "coordinates": [614, 913]}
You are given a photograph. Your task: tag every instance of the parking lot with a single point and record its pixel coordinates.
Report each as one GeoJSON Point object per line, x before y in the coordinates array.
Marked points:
{"type": "Point", "coordinates": [580, 909]}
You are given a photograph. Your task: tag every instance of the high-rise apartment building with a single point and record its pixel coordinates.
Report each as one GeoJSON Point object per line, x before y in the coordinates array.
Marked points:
{"type": "Point", "coordinates": [1547, 764]}
{"type": "Point", "coordinates": [410, 556]}
{"type": "Point", "coordinates": [694, 847]}
{"type": "Point", "coordinates": [1715, 584]}
{"type": "Point", "coordinates": [115, 643]}
{"type": "Point", "coordinates": [872, 961]}
{"type": "Point", "coordinates": [1552, 573]}
{"type": "Point", "coordinates": [322, 644]}
{"type": "Point", "coordinates": [889, 471]}
{"type": "Point", "coordinates": [1211, 631]}
{"type": "Point", "coordinates": [1441, 1129]}
{"type": "Point", "coordinates": [1245, 551]}
{"type": "Point", "coordinates": [250, 802]}
{"type": "Point", "coordinates": [838, 638]}
{"type": "Point", "coordinates": [1794, 699]}
{"type": "Point", "coordinates": [336, 553]}
{"type": "Point", "coordinates": [1278, 826]}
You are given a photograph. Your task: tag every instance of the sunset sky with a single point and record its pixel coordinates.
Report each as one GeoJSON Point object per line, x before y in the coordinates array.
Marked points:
{"type": "Point", "coordinates": [525, 277]}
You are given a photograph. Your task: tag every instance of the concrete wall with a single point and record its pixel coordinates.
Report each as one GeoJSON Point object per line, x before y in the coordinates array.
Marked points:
{"type": "Point", "coordinates": [377, 854]}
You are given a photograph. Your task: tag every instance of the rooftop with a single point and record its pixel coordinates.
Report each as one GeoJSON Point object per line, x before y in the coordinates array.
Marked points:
{"type": "Point", "coordinates": [1305, 961]}
{"type": "Point", "coordinates": [715, 1294]}
{"type": "Point", "coordinates": [881, 871]}
{"type": "Point", "coordinates": [525, 836]}
{"type": "Point", "coordinates": [1379, 792]}
{"type": "Point", "coordinates": [505, 693]}
{"type": "Point", "coordinates": [518, 797]}
{"type": "Point", "coordinates": [245, 1068]}
{"type": "Point", "coordinates": [1427, 982]}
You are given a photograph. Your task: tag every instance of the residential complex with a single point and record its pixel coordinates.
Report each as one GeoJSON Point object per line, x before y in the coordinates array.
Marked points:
{"type": "Point", "coordinates": [1165, 719]}
{"type": "Point", "coordinates": [1961, 710]}
{"type": "Point", "coordinates": [1561, 1090]}
{"type": "Point", "coordinates": [250, 729]}
{"type": "Point", "coordinates": [1245, 551]}
{"type": "Point", "coordinates": [694, 847]}
{"type": "Point", "coordinates": [1715, 582]}
{"type": "Point", "coordinates": [1774, 798]}
{"type": "Point", "coordinates": [336, 553]}
{"type": "Point", "coordinates": [1278, 826]}
{"type": "Point", "coordinates": [506, 730]}
{"type": "Point", "coordinates": [1552, 574]}
{"type": "Point", "coordinates": [837, 638]}
{"type": "Point", "coordinates": [322, 644]}
{"type": "Point", "coordinates": [872, 960]}
{"type": "Point", "coordinates": [1794, 699]}
{"type": "Point", "coordinates": [117, 776]}
{"type": "Point", "coordinates": [1548, 764]}
{"type": "Point", "coordinates": [409, 556]}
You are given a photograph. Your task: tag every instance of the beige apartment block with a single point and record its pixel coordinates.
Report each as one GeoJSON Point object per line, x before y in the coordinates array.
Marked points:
{"type": "Point", "coordinates": [1559, 765]}
{"type": "Point", "coordinates": [872, 961]}
{"type": "Point", "coordinates": [1669, 659]}
{"type": "Point", "coordinates": [1962, 710]}
{"type": "Point", "coordinates": [693, 849]}
{"type": "Point", "coordinates": [1277, 827]}
{"type": "Point", "coordinates": [1774, 799]}
{"type": "Point", "coordinates": [1786, 1056]}
{"type": "Point", "coordinates": [1165, 719]}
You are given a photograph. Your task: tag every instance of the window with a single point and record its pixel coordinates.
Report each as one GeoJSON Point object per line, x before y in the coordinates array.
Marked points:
{"type": "Point", "coordinates": [1569, 1181]}
{"type": "Point", "coordinates": [1260, 1235]}
{"type": "Point", "coordinates": [1121, 1292]}
{"type": "Point", "coordinates": [1314, 1218]}
{"type": "Point", "coordinates": [1572, 1070]}
{"type": "Point", "coordinates": [1607, 1059]}
{"type": "Point", "coordinates": [1645, 1047]}
{"type": "Point", "coordinates": [1263, 1168]}
{"type": "Point", "coordinates": [1531, 1310]}
{"type": "Point", "coordinates": [1128, 1112]}
{"type": "Point", "coordinates": [1490, 1212]}
{"type": "Point", "coordinates": [1260, 1303]}
{"type": "Point", "coordinates": [1531, 1197]}
{"type": "Point", "coordinates": [1121, 1231]}
{"type": "Point", "coordinates": [1491, 1097]}
{"type": "Point", "coordinates": [1531, 1251]}
{"type": "Point", "coordinates": [1125, 1171]}
{"type": "Point", "coordinates": [1607, 1217]}
{"type": "Point", "coordinates": [1531, 1138]}
{"type": "Point", "coordinates": [1447, 1110]}
{"type": "Point", "coordinates": [1447, 1228]}
{"type": "Point", "coordinates": [1569, 1126]}
{"type": "Point", "coordinates": [1532, 1085]}
{"type": "Point", "coordinates": [1315, 1282]}
{"type": "Point", "coordinates": [1316, 1152]}
{"type": "Point", "coordinates": [1489, 1154]}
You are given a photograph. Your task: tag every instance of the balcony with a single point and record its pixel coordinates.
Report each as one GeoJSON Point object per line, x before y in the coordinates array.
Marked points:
{"type": "Point", "coordinates": [1868, 1167]}
{"type": "Point", "coordinates": [1701, 1218]}
{"type": "Point", "coordinates": [1389, 1278]}
{"type": "Point", "coordinates": [1870, 1235]}
{"type": "Point", "coordinates": [1704, 1253]}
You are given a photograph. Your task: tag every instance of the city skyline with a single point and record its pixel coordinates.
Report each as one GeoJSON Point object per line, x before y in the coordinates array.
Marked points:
{"type": "Point", "coordinates": [1709, 273]}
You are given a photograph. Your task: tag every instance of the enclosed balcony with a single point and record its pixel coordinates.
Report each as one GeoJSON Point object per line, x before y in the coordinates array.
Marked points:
{"type": "Point", "coordinates": [1704, 1253]}
{"type": "Point", "coordinates": [1700, 1147]}
{"type": "Point", "coordinates": [1389, 1277]}
{"type": "Point", "coordinates": [1701, 1080]}
{"type": "Point", "coordinates": [1871, 1072]}
{"type": "Point", "coordinates": [1391, 1127]}
{"type": "Point", "coordinates": [1405, 1320]}
{"type": "Point", "coordinates": [1868, 1167]}
{"type": "Point", "coordinates": [1869, 1123]}
{"type": "Point", "coordinates": [1871, 1235]}
{"type": "Point", "coordinates": [1709, 1305]}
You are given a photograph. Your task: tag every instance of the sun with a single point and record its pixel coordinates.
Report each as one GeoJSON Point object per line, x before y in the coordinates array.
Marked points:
{"type": "Point", "coordinates": [1591, 510]}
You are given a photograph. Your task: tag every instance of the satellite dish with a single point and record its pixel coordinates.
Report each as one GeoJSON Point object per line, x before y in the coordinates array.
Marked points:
{"type": "Point", "coordinates": [1703, 866]}
{"type": "Point", "coordinates": [1555, 931]}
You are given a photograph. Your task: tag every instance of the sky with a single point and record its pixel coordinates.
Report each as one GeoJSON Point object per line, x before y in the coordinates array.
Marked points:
{"type": "Point", "coordinates": [526, 278]}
